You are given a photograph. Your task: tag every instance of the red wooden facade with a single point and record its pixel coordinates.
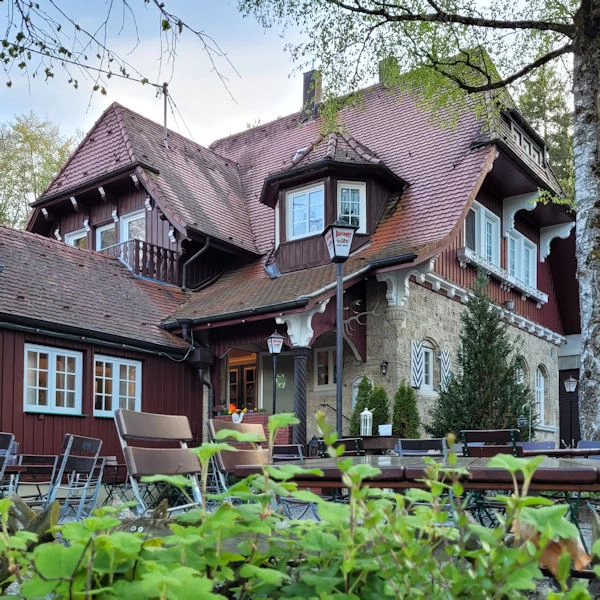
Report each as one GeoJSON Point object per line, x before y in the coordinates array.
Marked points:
{"type": "Point", "coordinates": [168, 387]}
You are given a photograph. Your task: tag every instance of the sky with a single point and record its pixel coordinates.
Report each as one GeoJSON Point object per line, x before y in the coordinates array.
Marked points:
{"type": "Point", "coordinates": [262, 84]}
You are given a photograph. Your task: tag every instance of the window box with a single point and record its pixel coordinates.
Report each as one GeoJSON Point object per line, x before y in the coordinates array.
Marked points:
{"type": "Point", "coordinates": [52, 380]}
{"type": "Point", "coordinates": [466, 256]}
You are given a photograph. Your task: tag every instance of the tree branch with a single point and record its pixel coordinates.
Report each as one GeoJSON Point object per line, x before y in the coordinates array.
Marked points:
{"type": "Point", "coordinates": [443, 17]}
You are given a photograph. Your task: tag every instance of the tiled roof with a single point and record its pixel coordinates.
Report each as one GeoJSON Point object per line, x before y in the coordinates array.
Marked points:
{"type": "Point", "coordinates": [197, 187]}
{"type": "Point", "coordinates": [43, 280]}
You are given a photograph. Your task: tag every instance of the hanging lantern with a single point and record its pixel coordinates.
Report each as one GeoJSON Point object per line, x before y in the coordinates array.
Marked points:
{"type": "Point", "coordinates": [366, 422]}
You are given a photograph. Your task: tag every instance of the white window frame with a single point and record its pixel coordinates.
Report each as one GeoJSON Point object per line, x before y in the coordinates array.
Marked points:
{"type": "Point", "coordinates": [53, 354]}
{"type": "Point", "coordinates": [362, 190]}
{"type": "Point", "coordinates": [99, 231]}
{"type": "Point", "coordinates": [330, 350]}
{"type": "Point", "coordinates": [117, 363]}
{"type": "Point", "coordinates": [72, 237]}
{"type": "Point", "coordinates": [483, 219]}
{"type": "Point", "coordinates": [428, 369]}
{"type": "Point", "coordinates": [516, 259]}
{"type": "Point", "coordinates": [290, 211]}
{"type": "Point", "coordinates": [540, 394]}
{"type": "Point", "coordinates": [126, 219]}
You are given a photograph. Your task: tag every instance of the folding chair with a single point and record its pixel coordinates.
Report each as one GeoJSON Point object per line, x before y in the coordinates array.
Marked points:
{"type": "Point", "coordinates": [590, 444]}
{"type": "Point", "coordinates": [76, 477]}
{"type": "Point", "coordinates": [6, 444]}
{"type": "Point", "coordinates": [254, 454]}
{"type": "Point", "coordinates": [495, 441]}
{"type": "Point", "coordinates": [34, 484]}
{"type": "Point", "coordinates": [141, 427]}
{"type": "Point", "coordinates": [422, 447]}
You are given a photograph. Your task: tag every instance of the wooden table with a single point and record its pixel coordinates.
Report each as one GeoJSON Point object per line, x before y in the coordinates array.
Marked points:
{"type": "Point", "coordinates": [553, 474]}
{"type": "Point", "coordinates": [564, 452]}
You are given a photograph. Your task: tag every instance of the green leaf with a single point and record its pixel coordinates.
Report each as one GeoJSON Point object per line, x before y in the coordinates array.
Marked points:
{"type": "Point", "coordinates": [179, 481]}
{"type": "Point", "coordinates": [56, 560]}
{"type": "Point", "coordinates": [270, 576]}
{"type": "Point", "coordinates": [281, 420]}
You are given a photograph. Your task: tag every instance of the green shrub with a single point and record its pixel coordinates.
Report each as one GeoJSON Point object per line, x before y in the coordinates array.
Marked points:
{"type": "Point", "coordinates": [362, 401]}
{"type": "Point", "coordinates": [375, 546]}
{"type": "Point", "coordinates": [379, 404]}
{"type": "Point", "coordinates": [405, 416]}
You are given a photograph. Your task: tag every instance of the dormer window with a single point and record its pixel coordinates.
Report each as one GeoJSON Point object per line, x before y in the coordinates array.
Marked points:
{"type": "Point", "coordinates": [305, 210]}
{"type": "Point", "coordinates": [482, 233]}
{"type": "Point", "coordinates": [351, 204]}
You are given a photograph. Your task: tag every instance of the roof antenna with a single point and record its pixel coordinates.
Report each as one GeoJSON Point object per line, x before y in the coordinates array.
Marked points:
{"type": "Point", "coordinates": [165, 97]}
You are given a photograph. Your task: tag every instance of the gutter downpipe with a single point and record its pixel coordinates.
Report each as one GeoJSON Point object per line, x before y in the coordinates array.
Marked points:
{"type": "Point", "coordinates": [191, 260]}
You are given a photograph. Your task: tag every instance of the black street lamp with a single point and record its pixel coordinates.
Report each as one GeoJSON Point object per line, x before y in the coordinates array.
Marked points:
{"type": "Point", "coordinates": [338, 237]}
{"type": "Point", "coordinates": [570, 384]}
{"type": "Point", "coordinates": [275, 343]}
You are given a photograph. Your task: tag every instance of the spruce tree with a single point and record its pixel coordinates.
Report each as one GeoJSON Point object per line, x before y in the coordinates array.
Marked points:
{"type": "Point", "coordinates": [362, 401]}
{"type": "Point", "coordinates": [484, 391]}
{"type": "Point", "coordinates": [380, 406]}
{"type": "Point", "coordinates": [405, 417]}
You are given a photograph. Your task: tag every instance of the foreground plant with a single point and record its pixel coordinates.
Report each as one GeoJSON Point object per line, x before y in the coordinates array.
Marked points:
{"type": "Point", "coordinates": [419, 544]}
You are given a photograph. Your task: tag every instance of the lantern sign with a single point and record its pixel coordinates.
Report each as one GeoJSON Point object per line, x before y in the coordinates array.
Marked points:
{"type": "Point", "coordinates": [366, 422]}
{"type": "Point", "coordinates": [338, 238]}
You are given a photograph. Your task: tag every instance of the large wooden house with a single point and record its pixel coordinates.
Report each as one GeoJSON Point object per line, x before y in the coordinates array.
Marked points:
{"type": "Point", "coordinates": [159, 267]}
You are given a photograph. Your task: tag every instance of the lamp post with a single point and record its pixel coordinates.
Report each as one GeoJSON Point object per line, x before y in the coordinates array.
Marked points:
{"type": "Point", "coordinates": [338, 238]}
{"type": "Point", "coordinates": [275, 343]}
{"type": "Point", "coordinates": [570, 384]}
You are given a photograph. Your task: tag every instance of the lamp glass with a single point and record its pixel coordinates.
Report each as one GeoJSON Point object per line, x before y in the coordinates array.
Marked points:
{"type": "Point", "coordinates": [570, 384]}
{"type": "Point", "coordinates": [521, 421]}
{"type": "Point", "coordinates": [275, 342]}
{"type": "Point", "coordinates": [338, 238]}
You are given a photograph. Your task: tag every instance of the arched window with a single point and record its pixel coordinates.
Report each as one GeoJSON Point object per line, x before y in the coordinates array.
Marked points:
{"type": "Point", "coordinates": [541, 389]}
{"type": "Point", "coordinates": [522, 371]}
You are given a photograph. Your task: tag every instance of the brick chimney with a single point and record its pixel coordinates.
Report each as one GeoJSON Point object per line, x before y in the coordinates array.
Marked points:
{"type": "Point", "coordinates": [311, 95]}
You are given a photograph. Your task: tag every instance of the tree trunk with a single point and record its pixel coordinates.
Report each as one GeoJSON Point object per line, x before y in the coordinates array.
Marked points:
{"type": "Point", "coordinates": [586, 77]}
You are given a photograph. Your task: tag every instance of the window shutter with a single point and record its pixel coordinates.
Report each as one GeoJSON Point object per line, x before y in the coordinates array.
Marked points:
{"type": "Point", "coordinates": [416, 363]}
{"type": "Point", "coordinates": [446, 368]}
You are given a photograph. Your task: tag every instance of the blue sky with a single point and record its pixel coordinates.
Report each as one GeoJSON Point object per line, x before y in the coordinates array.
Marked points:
{"type": "Point", "coordinates": [265, 88]}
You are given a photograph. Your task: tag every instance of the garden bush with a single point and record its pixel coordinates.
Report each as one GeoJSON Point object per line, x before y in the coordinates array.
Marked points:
{"type": "Point", "coordinates": [405, 414]}
{"type": "Point", "coordinates": [377, 545]}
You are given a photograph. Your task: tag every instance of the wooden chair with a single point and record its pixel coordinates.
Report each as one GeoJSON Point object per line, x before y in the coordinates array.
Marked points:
{"type": "Point", "coordinates": [477, 442]}
{"type": "Point", "coordinates": [76, 477]}
{"type": "Point", "coordinates": [163, 458]}
{"type": "Point", "coordinates": [32, 486]}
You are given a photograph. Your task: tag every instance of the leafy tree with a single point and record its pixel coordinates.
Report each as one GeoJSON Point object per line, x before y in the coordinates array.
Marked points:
{"type": "Point", "coordinates": [362, 401]}
{"type": "Point", "coordinates": [446, 40]}
{"type": "Point", "coordinates": [31, 153]}
{"type": "Point", "coordinates": [485, 391]}
{"type": "Point", "coordinates": [405, 416]}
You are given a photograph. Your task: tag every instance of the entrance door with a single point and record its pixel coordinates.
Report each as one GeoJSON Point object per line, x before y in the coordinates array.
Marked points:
{"type": "Point", "coordinates": [242, 380]}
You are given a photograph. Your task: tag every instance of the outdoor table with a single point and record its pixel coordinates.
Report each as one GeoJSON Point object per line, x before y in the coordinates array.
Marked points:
{"type": "Point", "coordinates": [553, 474]}
{"type": "Point", "coordinates": [564, 452]}
{"type": "Point", "coordinates": [115, 483]}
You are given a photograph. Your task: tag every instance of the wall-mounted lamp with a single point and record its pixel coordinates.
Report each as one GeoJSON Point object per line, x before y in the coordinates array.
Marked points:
{"type": "Point", "coordinates": [171, 234]}
{"type": "Point", "coordinates": [115, 216]}
{"type": "Point", "coordinates": [509, 305]}
{"type": "Point", "coordinates": [570, 384]}
{"type": "Point", "coordinates": [383, 366]}
{"type": "Point", "coordinates": [148, 203]}
{"type": "Point", "coordinates": [86, 224]}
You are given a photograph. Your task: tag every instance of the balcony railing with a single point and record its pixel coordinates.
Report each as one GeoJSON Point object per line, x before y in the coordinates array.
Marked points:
{"type": "Point", "coordinates": [147, 260]}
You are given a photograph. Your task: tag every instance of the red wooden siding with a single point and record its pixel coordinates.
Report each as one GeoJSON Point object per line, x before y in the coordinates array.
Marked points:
{"type": "Point", "coordinates": [167, 387]}
{"type": "Point", "coordinates": [448, 267]}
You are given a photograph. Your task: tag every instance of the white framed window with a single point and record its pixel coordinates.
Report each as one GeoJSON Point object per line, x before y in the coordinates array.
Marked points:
{"type": "Point", "coordinates": [324, 368]}
{"type": "Point", "coordinates": [106, 236]}
{"type": "Point", "coordinates": [78, 238]}
{"type": "Point", "coordinates": [133, 226]}
{"type": "Point", "coordinates": [352, 204]}
{"type": "Point", "coordinates": [540, 394]}
{"type": "Point", "coordinates": [305, 212]}
{"type": "Point", "coordinates": [482, 233]}
{"type": "Point", "coordinates": [522, 258]}
{"type": "Point", "coordinates": [52, 380]}
{"type": "Point", "coordinates": [427, 368]}
{"type": "Point", "coordinates": [117, 384]}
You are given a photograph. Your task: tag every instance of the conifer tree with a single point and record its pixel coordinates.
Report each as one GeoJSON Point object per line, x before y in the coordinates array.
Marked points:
{"type": "Point", "coordinates": [380, 406]}
{"type": "Point", "coordinates": [362, 401]}
{"type": "Point", "coordinates": [485, 391]}
{"type": "Point", "coordinates": [405, 418]}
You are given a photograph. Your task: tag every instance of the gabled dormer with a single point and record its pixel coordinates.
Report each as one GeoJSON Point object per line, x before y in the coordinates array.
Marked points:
{"type": "Point", "coordinates": [336, 177]}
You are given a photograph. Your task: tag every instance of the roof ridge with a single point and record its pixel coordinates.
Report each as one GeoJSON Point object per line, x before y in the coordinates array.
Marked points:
{"type": "Point", "coordinates": [124, 131]}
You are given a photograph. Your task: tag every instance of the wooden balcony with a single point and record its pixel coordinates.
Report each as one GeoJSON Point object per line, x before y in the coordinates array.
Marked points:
{"type": "Point", "coordinates": [147, 260]}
